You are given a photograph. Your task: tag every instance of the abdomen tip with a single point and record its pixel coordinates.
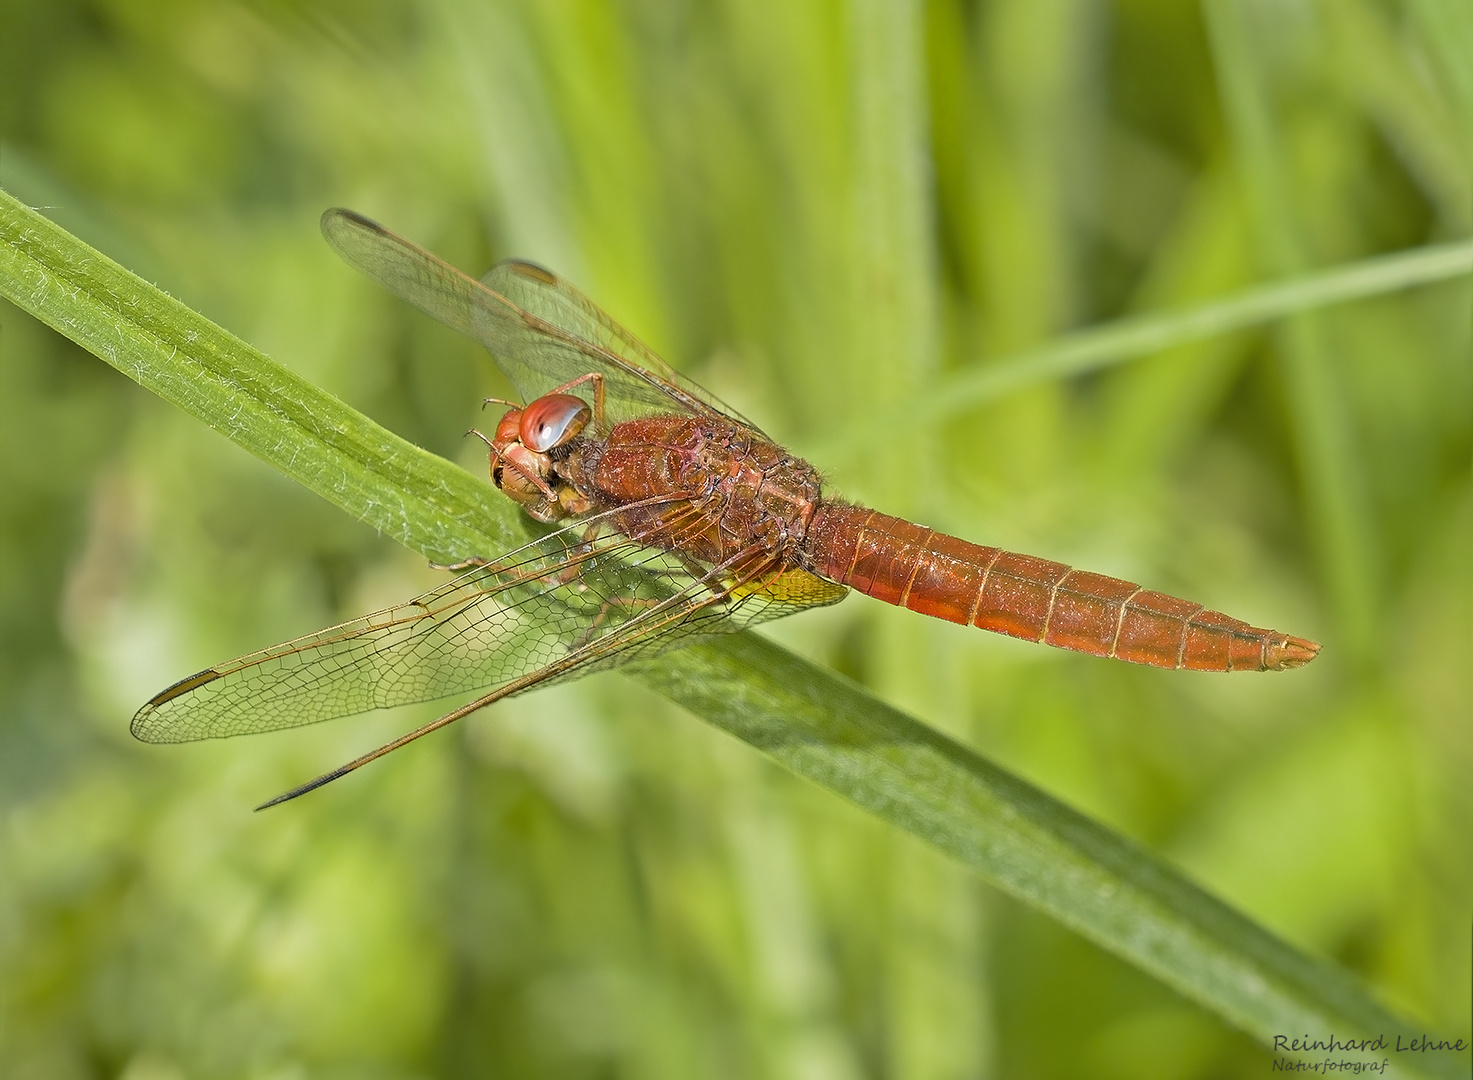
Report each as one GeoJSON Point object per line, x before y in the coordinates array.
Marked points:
{"type": "Point", "coordinates": [1292, 653]}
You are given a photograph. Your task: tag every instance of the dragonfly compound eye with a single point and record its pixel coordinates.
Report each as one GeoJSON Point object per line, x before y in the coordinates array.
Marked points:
{"type": "Point", "coordinates": [509, 427]}
{"type": "Point", "coordinates": [553, 420]}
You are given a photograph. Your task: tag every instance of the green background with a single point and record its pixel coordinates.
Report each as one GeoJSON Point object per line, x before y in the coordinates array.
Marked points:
{"type": "Point", "coordinates": [818, 211]}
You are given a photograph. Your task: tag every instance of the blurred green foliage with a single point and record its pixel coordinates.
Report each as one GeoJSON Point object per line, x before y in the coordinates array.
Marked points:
{"type": "Point", "coordinates": [814, 210]}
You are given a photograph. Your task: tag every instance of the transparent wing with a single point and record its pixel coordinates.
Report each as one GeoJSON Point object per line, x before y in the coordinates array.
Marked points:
{"type": "Point", "coordinates": [560, 607]}
{"type": "Point", "coordinates": [547, 302]}
{"type": "Point", "coordinates": [540, 330]}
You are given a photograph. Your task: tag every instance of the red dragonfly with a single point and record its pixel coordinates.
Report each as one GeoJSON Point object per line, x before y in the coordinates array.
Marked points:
{"type": "Point", "coordinates": [673, 519]}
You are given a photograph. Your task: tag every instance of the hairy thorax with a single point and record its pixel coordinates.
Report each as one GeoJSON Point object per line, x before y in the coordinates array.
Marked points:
{"type": "Point", "coordinates": [703, 485]}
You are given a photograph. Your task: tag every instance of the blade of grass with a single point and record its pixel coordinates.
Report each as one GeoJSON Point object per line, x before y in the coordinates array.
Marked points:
{"type": "Point", "coordinates": [892, 353]}
{"type": "Point", "coordinates": [1391, 84]}
{"type": "Point", "coordinates": [1137, 336]}
{"type": "Point", "coordinates": [392, 485]}
{"type": "Point", "coordinates": [811, 720]}
{"type": "Point", "coordinates": [1330, 468]}
{"type": "Point", "coordinates": [1446, 31]}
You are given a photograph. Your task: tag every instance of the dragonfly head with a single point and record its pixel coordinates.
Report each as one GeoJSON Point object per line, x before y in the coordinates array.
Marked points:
{"type": "Point", "coordinates": [522, 464]}
{"type": "Point", "coordinates": [551, 421]}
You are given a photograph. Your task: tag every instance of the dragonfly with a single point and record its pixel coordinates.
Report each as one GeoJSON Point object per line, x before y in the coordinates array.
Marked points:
{"type": "Point", "coordinates": [668, 518]}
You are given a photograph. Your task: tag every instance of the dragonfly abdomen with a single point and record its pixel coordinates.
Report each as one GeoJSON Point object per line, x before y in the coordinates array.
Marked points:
{"type": "Point", "coordinates": [929, 572]}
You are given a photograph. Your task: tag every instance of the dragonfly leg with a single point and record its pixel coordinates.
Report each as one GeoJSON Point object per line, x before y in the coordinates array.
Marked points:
{"type": "Point", "coordinates": [584, 548]}
{"type": "Point", "coordinates": [465, 564]}
{"type": "Point", "coordinates": [564, 575]}
{"type": "Point", "coordinates": [557, 577]}
{"type": "Point", "coordinates": [742, 574]}
{"type": "Point", "coordinates": [766, 569]}
{"type": "Point", "coordinates": [633, 605]}
{"type": "Point", "coordinates": [597, 379]}
{"type": "Point", "coordinates": [721, 581]}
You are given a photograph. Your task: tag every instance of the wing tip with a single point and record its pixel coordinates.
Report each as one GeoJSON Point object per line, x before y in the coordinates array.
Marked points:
{"type": "Point", "coordinates": [334, 215]}
{"type": "Point", "coordinates": [527, 268]}
{"type": "Point", "coordinates": [140, 727]}
{"type": "Point", "coordinates": [302, 789]}
{"type": "Point", "coordinates": [183, 686]}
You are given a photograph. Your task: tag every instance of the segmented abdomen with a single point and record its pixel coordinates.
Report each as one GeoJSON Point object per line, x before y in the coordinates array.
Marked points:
{"type": "Point", "coordinates": [935, 574]}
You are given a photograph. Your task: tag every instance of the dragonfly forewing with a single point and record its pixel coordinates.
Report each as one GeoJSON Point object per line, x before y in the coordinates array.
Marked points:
{"type": "Point", "coordinates": [542, 332]}
{"type": "Point", "coordinates": [641, 382]}
{"type": "Point", "coordinates": [405, 269]}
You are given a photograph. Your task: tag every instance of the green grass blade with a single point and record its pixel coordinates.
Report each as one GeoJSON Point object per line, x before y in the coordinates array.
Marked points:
{"type": "Point", "coordinates": [392, 485]}
{"type": "Point", "coordinates": [1144, 335]}
{"type": "Point", "coordinates": [1336, 497]}
{"type": "Point", "coordinates": [809, 719]}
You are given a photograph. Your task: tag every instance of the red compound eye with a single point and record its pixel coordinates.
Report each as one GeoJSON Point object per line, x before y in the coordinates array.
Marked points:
{"type": "Point", "coordinates": [552, 420]}
{"type": "Point", "coordinates": [509, 427]}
